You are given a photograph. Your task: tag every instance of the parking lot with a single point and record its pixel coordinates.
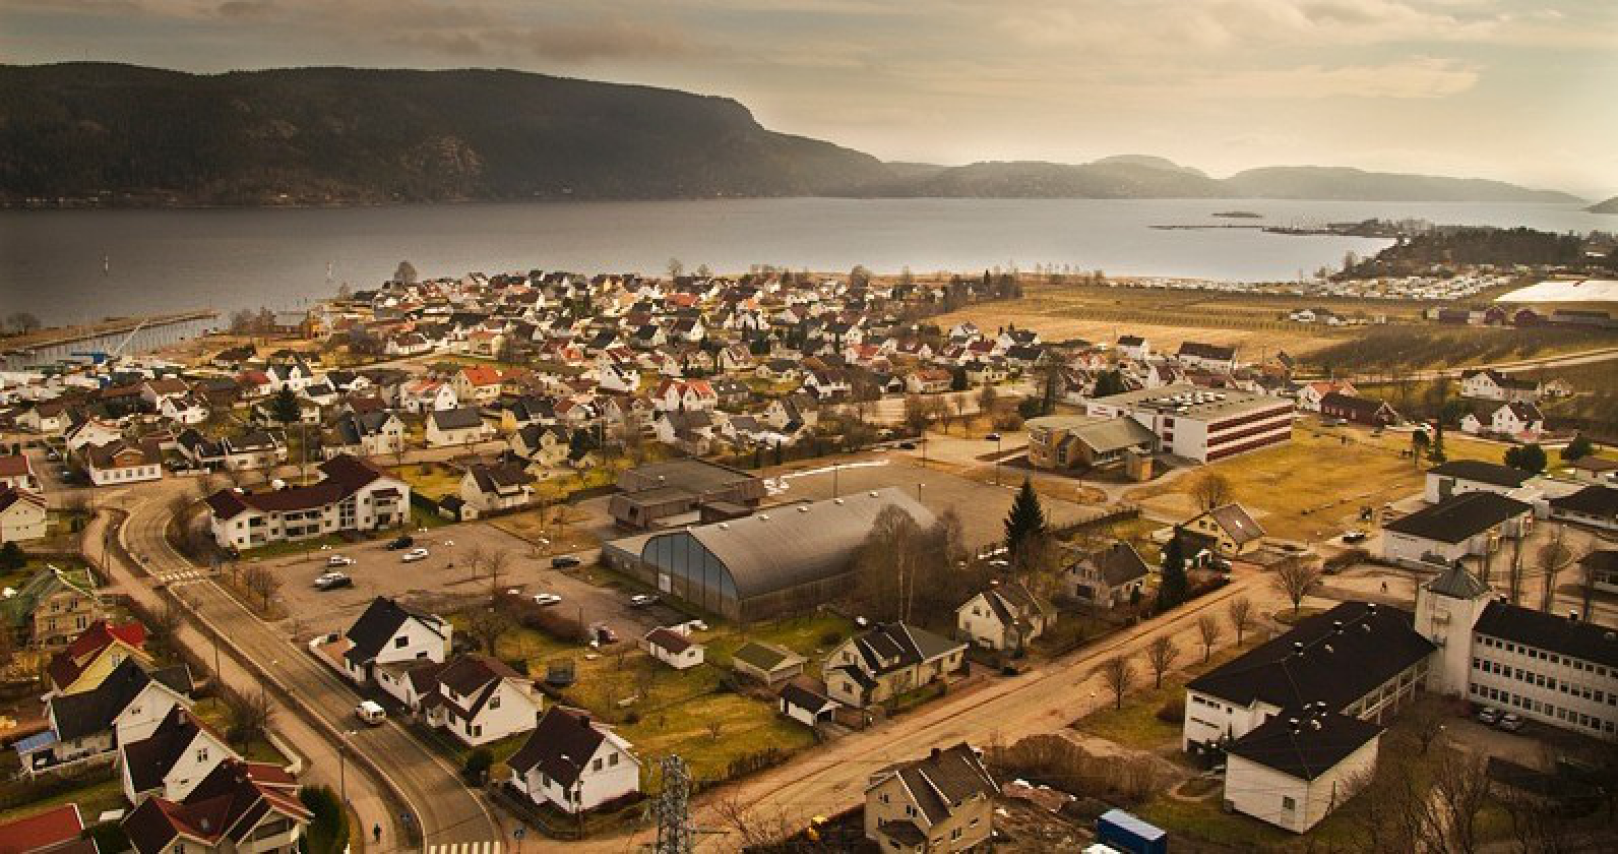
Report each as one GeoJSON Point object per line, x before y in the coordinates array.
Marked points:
{"type": "Point", "coordinates": [444, 582]}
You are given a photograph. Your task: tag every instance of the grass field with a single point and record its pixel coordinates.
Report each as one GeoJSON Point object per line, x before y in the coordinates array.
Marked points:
{"type": "Point", "coordinates": [662, 710]}
{"type": "Point", "coordinates": [1136, 724]}
{"type": "Point", "coordinates": [1313, 487]}
{"type": "Point", "coordinates": [93, 798]}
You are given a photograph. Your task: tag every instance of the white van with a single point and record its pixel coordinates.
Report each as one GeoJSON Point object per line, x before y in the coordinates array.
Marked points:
{"type": "Point", "coordinates": [371, 713]}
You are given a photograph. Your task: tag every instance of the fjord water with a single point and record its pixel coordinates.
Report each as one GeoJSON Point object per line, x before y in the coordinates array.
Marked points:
{"type": "Point", "coordinates": [71, 266]}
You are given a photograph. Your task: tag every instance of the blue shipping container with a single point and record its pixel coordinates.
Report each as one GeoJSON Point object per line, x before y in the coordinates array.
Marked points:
{"type": "Point", "coordinates": [1125, 832]}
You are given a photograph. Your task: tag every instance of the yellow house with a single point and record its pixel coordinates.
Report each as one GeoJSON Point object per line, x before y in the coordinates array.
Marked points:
{"type": "Point", "coordinates": [93, 655]}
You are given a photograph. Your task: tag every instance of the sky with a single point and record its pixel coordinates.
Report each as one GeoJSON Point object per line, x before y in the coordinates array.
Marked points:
{"type": "Point", "coordinates": [1518, 91]}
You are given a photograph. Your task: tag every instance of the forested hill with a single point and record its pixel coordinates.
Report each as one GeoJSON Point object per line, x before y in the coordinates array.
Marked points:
{"type": "Point", "coordinates": [343, 135]}
{"type": "Point", "coordinates": [124, 134]}
{"type": "Point", "coordinates": [1609, 206]}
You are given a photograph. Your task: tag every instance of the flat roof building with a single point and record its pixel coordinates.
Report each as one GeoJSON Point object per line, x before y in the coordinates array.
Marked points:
{"type": "Point", "coordinates": [674, 492]}
{"type": "Point", "coordinates": [1202, 424]}
{"type": "Point", "coordinates": [783, 559]}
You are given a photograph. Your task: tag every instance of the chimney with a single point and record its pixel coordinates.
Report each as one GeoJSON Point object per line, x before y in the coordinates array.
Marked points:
{"type": "Point", "coordinates": [1573, 615]}
{"type": "Point", "coordinates": [1336, 627]}
{"type": "Point", "coordinates": [584, 721]}
{"type": "Point", "coordinates": [1297, 646]}
{"type": "Point", "coordinates": [934, 754]}
{"type": "Point", "coordinates": [1292, 723]}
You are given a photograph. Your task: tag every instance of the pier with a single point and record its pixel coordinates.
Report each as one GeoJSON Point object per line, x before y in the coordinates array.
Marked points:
{"type": "Point", "coordinates": [121, 335]}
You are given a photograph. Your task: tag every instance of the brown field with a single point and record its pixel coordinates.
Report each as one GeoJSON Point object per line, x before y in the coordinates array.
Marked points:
{"type": "Point", "coordinates": [1313, 487]}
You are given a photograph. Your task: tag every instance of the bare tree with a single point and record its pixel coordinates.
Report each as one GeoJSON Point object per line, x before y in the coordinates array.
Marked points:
{"type": "Point", "coordinates": [1295, 579]}
{"type": "Point", "coordinates": [1240, 610]}
{"type": "Point", "coordinates": [1209, 632]}
{"type": "Point", "coordinates": [1553, 556]}
{"type": "Point", "coordinates": [250, 716]}
{"type": "Point", "coordinates": [1118, 674]}
{"type": "Point", "coordinates": [496, 563]}
{"type": "Point", "coordinates": [715, 728]}
{"type": "Point", "coordinates": [1161, 654]}
{"type": "Point", "coordinates": [261, 582]}
{"type": "Point", "coordinates": [987, 395]}
{"type": "Point", "coordinates": [474, 558]}
{"type": "Point", "coordinates": [1458, 792]}
{"type": "Point", "coordinates": [1212, 489]}
{"type": "Point", "coordinates": [753, 827]}
{"type": "Point", "coordinates": [487, 626]}
{"type": "Point", "coordinates": [1425, 719]}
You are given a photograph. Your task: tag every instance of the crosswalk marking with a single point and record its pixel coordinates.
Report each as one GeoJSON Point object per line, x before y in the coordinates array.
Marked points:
{"type": "Point", "coordinates": [184, 576]}
{"type": "Point", "coordinates": [487, 846]}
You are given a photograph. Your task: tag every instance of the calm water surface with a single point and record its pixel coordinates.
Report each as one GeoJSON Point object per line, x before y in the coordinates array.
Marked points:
{"type": "Point", "coordinates": [51, 262]}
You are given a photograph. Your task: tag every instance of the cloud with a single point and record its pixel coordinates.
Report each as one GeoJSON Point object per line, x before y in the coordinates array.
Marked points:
{"type": "Point", "coordinates": [1414, 78]}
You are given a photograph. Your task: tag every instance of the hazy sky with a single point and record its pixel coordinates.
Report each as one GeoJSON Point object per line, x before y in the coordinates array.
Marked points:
{"type": "Point", "coordinates": [1521, 91]}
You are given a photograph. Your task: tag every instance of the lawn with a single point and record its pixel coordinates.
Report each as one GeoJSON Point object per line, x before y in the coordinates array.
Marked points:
{"type": "Point", "coordinates": [96, 796]}
{"type": "Point", "coordinates": [1313, 487]}
{"type": "Point", "coordinates": [1136, 724]}
{"type": "Point", "coordinates": [434, 480]}
{"type": "Point", "coordinates": [662, 710]}
{"type": "Point", "coordinates": [213, 712]}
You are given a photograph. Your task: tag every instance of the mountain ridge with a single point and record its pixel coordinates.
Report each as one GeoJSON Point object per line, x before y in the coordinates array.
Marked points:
{"type": "Point", "coordinates": [136, 135]}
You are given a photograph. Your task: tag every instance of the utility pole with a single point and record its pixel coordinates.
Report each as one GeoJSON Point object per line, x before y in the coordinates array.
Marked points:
{"type": "Point", "coordinates": [672, 809]}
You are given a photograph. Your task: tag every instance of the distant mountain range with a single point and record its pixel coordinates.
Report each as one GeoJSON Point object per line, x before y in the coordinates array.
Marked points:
{"type": "Point", "coordinates": [136, 135]}
{"type": "Point", "coordinates": [1609, 206]}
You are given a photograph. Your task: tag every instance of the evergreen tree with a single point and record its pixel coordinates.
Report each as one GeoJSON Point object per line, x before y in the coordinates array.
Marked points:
{"type": "Point", "coordinates": [1110, 383]}
{"type": "Point", "coordinates": [1436, 452]}
{"type": "Point", "coordinates": [1528, 458]}
{"type": "Point", "coordinates": [1580, 447]}
{"type": "Point", "coordinates": [284, 407]}
{"type": "Point", "coordinates": [1175, 585]}
{"type": "Point", "coordinates": [1026, 520]}
{"type": "Point", "coordinates": [1418, 445]}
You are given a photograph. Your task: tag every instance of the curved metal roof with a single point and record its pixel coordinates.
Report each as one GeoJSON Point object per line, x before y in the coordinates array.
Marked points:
{"type": "Point", "coordinates": [782, 547]}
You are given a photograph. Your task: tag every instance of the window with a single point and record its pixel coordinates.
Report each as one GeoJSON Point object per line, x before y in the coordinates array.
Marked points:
{"type": "Point", "coordinates": [494, 703]}
{"type": "Point", "coordinates": [596, 765]}
{"type": "Point", "coordinates": [612, 760]}
{"type": "Point", "coordinates": [1288, 804]}
{"type": "Point", "coordinates": [401, 642]}
{"type": "Point", "coordinates": [202, 754]}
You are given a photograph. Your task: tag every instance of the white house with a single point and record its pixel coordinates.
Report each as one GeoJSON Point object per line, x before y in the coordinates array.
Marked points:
{"type": "Point", "coordinates": [480, 700]}
{"type": "Point", "coordinates": [451, 427]}
{"type": "Point", "coordinates": [1134, 347]}
{"type": "Point", "coordinates": [574, 763]}
{"type": "Point", "coordinates": [427, 395]}
{"type": "Point", "coordinates": [22, 515]}
{"type": "Point", "coordinates": [1518, 419]}
{"type": "Point", "coordinates": [352, 495]}
{"type": "Point", "coordinates": [127, 706]}
{"type": "Point", "coordinates": [1490, 384]}
{"type": "Point", "coordinates": [118, 463]}
{"type": "Point", "coordinates": [496, 488]}
{"type": "Point", "coordinates": [16, 471]}
{"type": "Point", "coordinates": [673, 646]}
{"type": "Point", "coordinates": [1006, 617]}
{"type": "Point", "coordinates": [388, 633]}
{"type": "Point", "coordinates": [1293, 771]}
{"type": "Point", "coordinates": [178, 754]}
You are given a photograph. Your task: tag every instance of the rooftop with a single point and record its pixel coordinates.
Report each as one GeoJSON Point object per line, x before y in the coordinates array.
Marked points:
{"type": "Point", "coordinates": [1187, 399]}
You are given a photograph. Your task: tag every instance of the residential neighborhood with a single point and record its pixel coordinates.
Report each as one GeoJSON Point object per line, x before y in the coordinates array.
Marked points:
{"type": "Point", "coordinates": [533, 551]}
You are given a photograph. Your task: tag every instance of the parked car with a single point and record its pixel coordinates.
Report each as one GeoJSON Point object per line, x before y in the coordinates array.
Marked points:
{"type": "Point", "coordinates": [547, 599]}
{"type": "Point", "coordinates": [371, 712]}
{"type": "Point", "coordinates": [992, 437]}
{"type": "Point", "coordinates": [642, 600]}
{"type": "Point", "coordinates": [907, 446]}
{"type": "Point", "coordinates": [564, 562]}
{"type": "Point", "coordinates": [1510, 722]}
{"type": "Point", "coordinates": [414, 555]}
{"type": "Point", "coordinates": [1488, 715]}
{"type": "Point", "coordinates": [333, 580]}
{"type": "Point", "coordinates": [403, 542]}
{"type": "Point", "coordinates": [605, 635]}
{"type": "Point", "coordinates": [1332, 422]}
{"type": "Point", "coordinates": [1355, 537]}
{"type": "Point", "coordinates": [339, 560]}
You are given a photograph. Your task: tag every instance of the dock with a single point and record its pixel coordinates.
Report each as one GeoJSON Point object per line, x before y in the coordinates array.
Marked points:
{"type": "Point", "coordinates": [144, 332]}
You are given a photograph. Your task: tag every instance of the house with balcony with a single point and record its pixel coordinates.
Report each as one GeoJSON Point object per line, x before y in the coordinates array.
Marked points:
{"type": "Point", "coordinates": [352, 495]}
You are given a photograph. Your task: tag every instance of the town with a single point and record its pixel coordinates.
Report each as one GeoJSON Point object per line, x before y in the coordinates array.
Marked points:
{"type": "Point", "coordinates": [821, 562]}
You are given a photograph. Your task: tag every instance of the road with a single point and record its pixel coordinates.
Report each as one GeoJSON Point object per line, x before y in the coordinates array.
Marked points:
{"type": "Point", "coordinates": [1584, 357]}
{"type": "Point", "coordinates": [448, 812]}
